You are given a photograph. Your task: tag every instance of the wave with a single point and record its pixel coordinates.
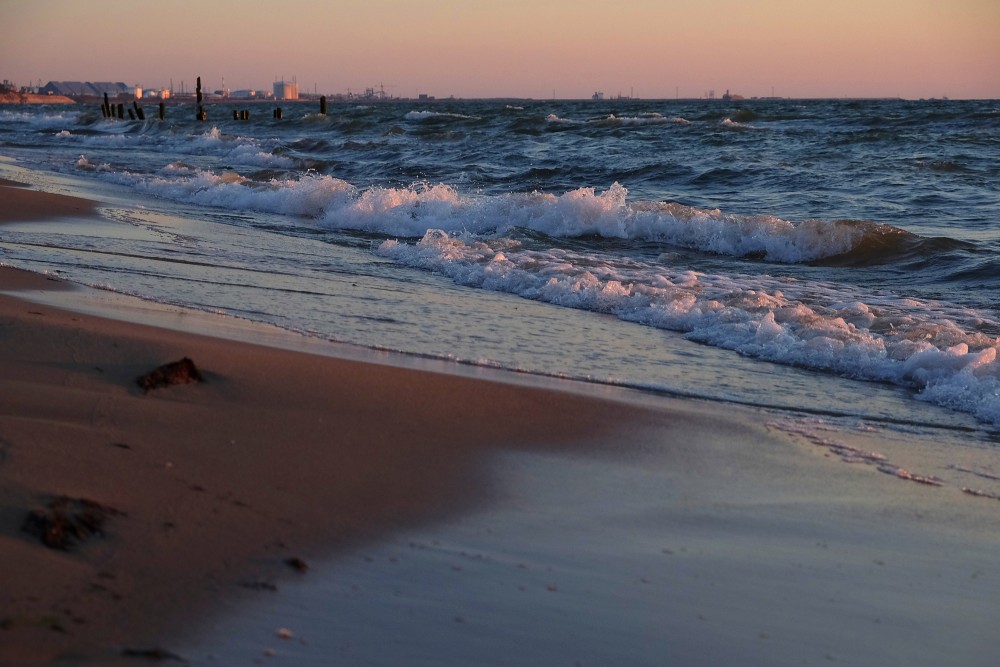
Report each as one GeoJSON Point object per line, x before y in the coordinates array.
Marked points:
{"type": "Point", "coordinates": [412, 211]}
{"type": "Point", "coordinates": [51, 120]}
{"type": "Point", "coordinates": [929, 347]}
{"type": "Point", "coordinates": [882, 244]}
{"type": "Point", "coordinates": [617, 121]}
{"type": "Point", "coordinates": [233, 149]}
{"type": "Point", "coordinates": [731, 124]}
{"type": "Point", "coordinates": [431, 115]}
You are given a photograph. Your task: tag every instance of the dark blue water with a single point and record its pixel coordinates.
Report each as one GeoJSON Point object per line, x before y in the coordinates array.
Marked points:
{"type": "Point", "coordinates": [776, 251]}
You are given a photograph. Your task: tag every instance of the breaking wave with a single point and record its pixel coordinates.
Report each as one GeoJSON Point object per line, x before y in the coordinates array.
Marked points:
{"type": "Point", "coordinates": [932, 348]}
{"type": "Point", "coordinates": [584, 212]}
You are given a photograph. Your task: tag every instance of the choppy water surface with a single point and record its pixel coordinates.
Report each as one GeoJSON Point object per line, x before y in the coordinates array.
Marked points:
{"type": "Point", "coordinates": [833, 256]}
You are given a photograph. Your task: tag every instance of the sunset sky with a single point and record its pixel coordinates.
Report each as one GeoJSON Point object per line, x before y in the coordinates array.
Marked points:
{"type": "Point", "coordinates": [516, 48]}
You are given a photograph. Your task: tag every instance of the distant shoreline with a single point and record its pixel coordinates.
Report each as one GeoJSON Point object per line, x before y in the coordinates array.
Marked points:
{"type": "Point", "coordinates": [34, 98]}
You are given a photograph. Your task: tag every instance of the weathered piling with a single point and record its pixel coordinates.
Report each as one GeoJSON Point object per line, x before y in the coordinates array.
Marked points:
{"type": "Point", "coordinates": [106, 108]}
{"type": "Point", "coordinates": [138, 111]}
{"type": "Point", "coordinates": [163, 110]}
{"type": "Point", "coordinates": [236, 114]}
{"type": "Point", "coordinates": [200, 115]}
{"type": "Point", "coordinates": [277, 114]}
{"type": "Point", "coordinates": [131, 114]}
{"type": "Point", "coordinates": [322, 104]}
{"type": "Point", "coordinates": [121, 111]}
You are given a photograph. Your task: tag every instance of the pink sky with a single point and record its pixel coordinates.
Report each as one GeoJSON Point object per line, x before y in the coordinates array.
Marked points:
{"type": "Point", "coordinates": [517, 48]}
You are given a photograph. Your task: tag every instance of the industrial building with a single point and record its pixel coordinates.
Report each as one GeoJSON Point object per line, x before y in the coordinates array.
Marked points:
{"type": "Point", "coordinates": [286, 90]}
{"type": "Point", "coordinates": [86, 89]}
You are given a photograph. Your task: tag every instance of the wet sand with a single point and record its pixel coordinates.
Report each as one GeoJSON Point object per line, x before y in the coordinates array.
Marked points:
{"type": "Point", "coordinates": [664, 530]}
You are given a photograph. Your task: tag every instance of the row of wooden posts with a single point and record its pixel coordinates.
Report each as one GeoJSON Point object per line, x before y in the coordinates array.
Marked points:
{"type": "Point", "coordinates": [135, 111]}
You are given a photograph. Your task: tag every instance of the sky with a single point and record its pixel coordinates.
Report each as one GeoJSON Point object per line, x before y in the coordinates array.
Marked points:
{"type": "Point", "coordinates": [516, 48]}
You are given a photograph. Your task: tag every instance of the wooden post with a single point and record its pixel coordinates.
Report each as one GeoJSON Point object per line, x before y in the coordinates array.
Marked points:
{"type": "Point", "coordinates": [121, 111]}
{"type": "Point", "coordinates": [201, 115]}
{"type": "Point", "coordinates": [131, 114]}
{"type": "Point", "coordinates": [163, 110]}
{"type": "Point", "coordinates": [106, 107]}
{"type": "Point", "coordinates": [236, 114]}
{"type": "Point", "coordinates": [322, 104]}
{"type": "Point", "coordinates": [277, 114]}
{"type": "Point", "coordinates": [138, 110]}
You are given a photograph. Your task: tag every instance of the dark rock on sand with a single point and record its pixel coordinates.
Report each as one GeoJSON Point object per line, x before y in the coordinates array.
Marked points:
{"type": "Point", "coordinates": [65, 521]}
{"type": "Point", "coordinates": [177, 372]}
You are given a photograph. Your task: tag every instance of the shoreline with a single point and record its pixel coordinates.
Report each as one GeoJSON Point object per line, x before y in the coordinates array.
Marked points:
{"type": "Point", "coordinates": [34, 98]}
{"type": "Point", "coordinates": [728, 533]}
{"type": "Point", "coordinates": [278, 455]}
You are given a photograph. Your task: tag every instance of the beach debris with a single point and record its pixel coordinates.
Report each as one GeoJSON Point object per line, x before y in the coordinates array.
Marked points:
{"type": "Point", "coordinates": [809, 430]}
{"type": "Point", "coordinates": [978, 473]}
{"type": "Point", "coordinates": [979, 493]}
{"type": "Point", "coordinates": [151, 654]}
{"type": "Point", "coordinates": [297, 564]}
{"type": "Point", "coordinates": [176, 372]}
{"type": "Point", "coordinates": [66, 521]}
{"type": "Point", "coordinates": [903, 473]}
{"type": "Point", "coordinates": [284, 633]}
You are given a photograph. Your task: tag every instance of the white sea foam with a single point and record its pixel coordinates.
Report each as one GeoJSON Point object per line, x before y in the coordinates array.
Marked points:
{"type": "Point", "coordinates": [554, 119]}
{"type": "Point", "coordinates": [425, 115]}
{"type": "Point", "coordinates": [828, 328]}
{"type": "Point", "coordinates": [411, 211]}
{"type": "Point", "coordinates": [86, 165]}
{"type": "Point", "coordinates": [645, 119]}
{"type": "Point", "coordinates": [585, 212]}
{"type": "Point", "coordinates": [731, 124]}
{"type": "Point", "coordinates": [618, 121]}
{"type": "Point", "coordinates": [308, 196]}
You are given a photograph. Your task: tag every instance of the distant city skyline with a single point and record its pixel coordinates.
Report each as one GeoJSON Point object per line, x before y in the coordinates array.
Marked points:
{"type": "Point", "coordinates": [539, 49]}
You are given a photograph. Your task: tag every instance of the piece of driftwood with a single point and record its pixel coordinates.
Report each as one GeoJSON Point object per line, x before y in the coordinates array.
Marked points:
{"type": "Point", "coordinates": [177, 372]}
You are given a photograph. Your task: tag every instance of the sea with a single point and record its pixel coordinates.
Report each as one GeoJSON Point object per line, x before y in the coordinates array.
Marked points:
{"type": "Point", "coordinates": [834, 264]}
{"type": "Point", "coordinates": [838, 258]}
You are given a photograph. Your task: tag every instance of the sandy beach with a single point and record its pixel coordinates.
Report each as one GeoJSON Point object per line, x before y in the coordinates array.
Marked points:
{"type": "Point", "coordinates": [666, 531]}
